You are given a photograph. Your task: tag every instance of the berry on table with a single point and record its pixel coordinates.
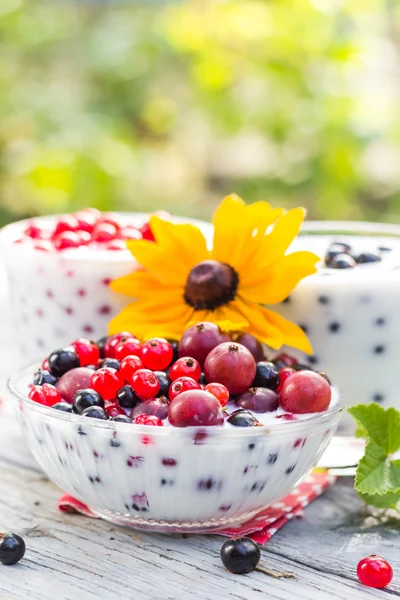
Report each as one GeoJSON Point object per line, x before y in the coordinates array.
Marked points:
{"type": "Point", "coordinates": [104, 232]}
{"type": "Point", "coordinates": [145, 384]}
{"type": "Point", "coordinates": [157, 354]}
{"type": "Point", "coordinates": [267, 375]}
{"type": "Point", "coordinates": [65, 223]}
{"type": "Point", "coordinates": [128, 367]}
{"type": "Point", "coordinates": [95, 412]}
{"type": "Point", "coordinates": [367, 257]}
{"type": "Point", "coordinates": [72, 381]}
{"type": "Point", "coordinates": [67, 239]}
{"type": "Point", "coordinates": [88, 351]}
{"type": "Point", "coordinates": [45, 394]}
{"type": "Point", "coordinates": [146, 232]}
{"type": "Point", "coordinates": [219, 391]}
{"type": "Point", "coordinates": [12, 548]}
{"type": "Point", "coordinates": [374, 571]}
{"type": "Point", "coordinates": [106, 382]}
{"type": "Point", "coordinates": [63, 360]}
{"type": "Point", "coordinates": [148, 420]}
{"type": "Point", "coordinates": [195, 407]}
{"type": "Point", "coordinates": [342, 261]}
{"type": "Point", "coordinates": [232, 365]}
{"type": "Point", "coordinates": [34, 232]}
{"type": "Point", "coordinates": [240, 555]}
{"type": "Point", "coordinates": [127, 397]}
{"type": "Point", "coordinates": [305, 392]}
{"type": "Point", "coordinates": [183, 384]}
{"type": "Point", "coordinates": [85, 398]}
{"type": "Point", "coordinates": [185, 367]}
{"type": "Point", "coordinates": [127, 347]}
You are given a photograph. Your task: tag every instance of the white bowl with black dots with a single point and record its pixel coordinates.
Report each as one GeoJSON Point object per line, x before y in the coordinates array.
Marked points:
{"type": "Point", "coordinates": [57, 296]}
{"type": "Point", "coordinates": [167, 478]}
{"type": "Point", "coordinates": [352, 316]}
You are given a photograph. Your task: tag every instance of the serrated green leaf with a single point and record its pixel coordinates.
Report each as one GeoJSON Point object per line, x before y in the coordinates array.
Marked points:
{"type": "Point", "coordinates": [376, 473]}
{"type": "Point", "coordinates": [388, 500]}
{"type": "Point", "coordinates": [381, 426]}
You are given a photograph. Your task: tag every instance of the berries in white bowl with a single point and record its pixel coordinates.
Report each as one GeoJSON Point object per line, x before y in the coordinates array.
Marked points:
{"type": "Point", "coordinates": [146, 444]}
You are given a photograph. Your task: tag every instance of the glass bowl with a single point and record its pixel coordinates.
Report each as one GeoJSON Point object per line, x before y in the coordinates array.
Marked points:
{"type": "Point", "coordinates": [58, 296]}
{"type": "Point", "coordinates": [352, 316]}
{"type": "Point", "coordinates": [171, 479]}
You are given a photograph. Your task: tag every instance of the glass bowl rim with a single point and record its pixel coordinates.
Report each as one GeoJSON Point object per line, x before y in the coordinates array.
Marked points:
{"type": "Point", "coordinates": [310, 424]}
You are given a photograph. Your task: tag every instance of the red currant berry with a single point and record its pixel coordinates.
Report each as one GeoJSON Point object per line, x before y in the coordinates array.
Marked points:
{"type": "Point", "coordinates": [128, 367]}
{"type": "Point", "coordinates": [88, 351]}
{"type": "Point", "coordinates": [127, 347]}
{"type": "Point", "coordinates": [34, 232]}
{"type": "Point", "coordinates": [65, 223]}
{"type": "Point", "coordinates": [104, 232]}
{"type": "Point", "coordinates": [130, 232]}
{"type": "Point", "coordinates": [112, 341]}
{"type": "Point", "coordinates": [374, 571]}
{"type": "Point", "coordinates": [110, 219]}
{"type": "Point", "coordinates": [283, 375]}
{"type": "Point", "coordinates": [44, 246]}
{"type": "Point", "coordinates": [86, 221]}
{"type": "Point", "coordinates": [148, 420]}
{"type": "Point", "coordinates": [183, 384]}
{"type": "Point", "coordinates": [45, 394]}
{"type": "Point", "coordinates": [107, 382]}
{"type": "Point", "coordinates": [157, 354]}
{"type": "Point", "coordinates": [84, 237]}
{"type": "Point", "coordinates": [185, 367]}
{"type": "Point", "coordinates": [67, 239]}
{"type": "Point", "coordinates": [146, 232]}
{"type": "Point", "coordinates": [289, 361]}
{"type": "Point", "coordinates": [113, 410]}
{"type": "Point", "coordinates": [45, 364]}
{"type": "Point", "coordinates": [219, 391]}
{"type": "Point", "coordinates": [116, 245]}
{"type": "Point", "coordinates": [145, 384]}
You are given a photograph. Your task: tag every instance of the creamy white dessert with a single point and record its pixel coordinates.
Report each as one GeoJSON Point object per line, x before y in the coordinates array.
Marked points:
{"type": "Point", "coordinates": [352, 315]}
{"type": "Point", "coordinates": [55, 295]}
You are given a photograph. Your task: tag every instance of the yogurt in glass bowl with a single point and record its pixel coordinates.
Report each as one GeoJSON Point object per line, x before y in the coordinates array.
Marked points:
{"type": "Point", "coordinates": [351, 315]}
{"type": "Point", "coordinates": [57, 294]}
{"type": "Point", "coordinates": [169, 478]}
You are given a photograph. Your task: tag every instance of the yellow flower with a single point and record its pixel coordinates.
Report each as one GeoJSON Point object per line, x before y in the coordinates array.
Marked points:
{"type": "Point", "coordinates": [182, 282]}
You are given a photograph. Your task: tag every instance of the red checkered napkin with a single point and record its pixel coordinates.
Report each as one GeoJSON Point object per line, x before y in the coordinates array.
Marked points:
{"type": "Point", "coordinates": [261, 527]}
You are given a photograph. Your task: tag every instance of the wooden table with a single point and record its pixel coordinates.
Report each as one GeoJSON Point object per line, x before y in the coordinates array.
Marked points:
{"type": "Point", "coordinates": [70, 557]}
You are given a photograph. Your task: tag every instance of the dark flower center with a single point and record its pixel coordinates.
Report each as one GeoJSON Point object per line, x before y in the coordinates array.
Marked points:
{"type": "Point", "coordinates": [211, 284]}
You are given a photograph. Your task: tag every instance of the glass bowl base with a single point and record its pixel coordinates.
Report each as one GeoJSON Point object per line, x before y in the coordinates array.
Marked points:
{"type": "Point", "coordinates": [172, 526]}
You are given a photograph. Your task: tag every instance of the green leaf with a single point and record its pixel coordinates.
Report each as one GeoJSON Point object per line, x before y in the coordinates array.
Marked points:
{"type": "Point", "coordinates": [376, 473]}
{"type": "Point", "coordinates": [378, 476]}
{"type": "Point", "coordinates": [388, 500]}
{"type": "Point", "coordinates": [381, 426]}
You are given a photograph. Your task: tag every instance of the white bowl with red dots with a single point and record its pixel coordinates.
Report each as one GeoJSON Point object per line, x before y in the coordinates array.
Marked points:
{"type": "Point", "coordinates": [144, 441]}
{"type": "Point", "coordinates": [59, 269]}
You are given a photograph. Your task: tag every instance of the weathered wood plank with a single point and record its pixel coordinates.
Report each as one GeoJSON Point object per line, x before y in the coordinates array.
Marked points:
{"type": "Point", "coordinates": [71, 556]}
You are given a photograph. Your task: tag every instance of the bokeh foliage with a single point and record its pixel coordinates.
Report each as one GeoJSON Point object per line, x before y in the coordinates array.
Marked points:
{"type": "Point", "coordinates": [139, 106]}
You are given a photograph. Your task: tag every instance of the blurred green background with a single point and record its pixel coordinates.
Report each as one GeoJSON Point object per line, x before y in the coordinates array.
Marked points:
{"type": "Point", "coordinates": [142, 106]}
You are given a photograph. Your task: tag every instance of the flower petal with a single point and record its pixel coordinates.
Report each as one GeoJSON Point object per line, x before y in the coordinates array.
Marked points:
{"type": "Point", "coordinates": [152, 257]}
{"type": "Point", "coordinates": [227, 317]}
{"type": "Point", "coordinates": [184, 241]}
{"type": "Point", "coordinates": [146, 318]}
{"type": "Point", "coordinates": [276, 283]}
{"type": "Point", "coordinates": [236, 230]}
{"type": "Point", "coordinates": [293, 335]}
{"type": "Point", "coordinates": [142, 284]}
